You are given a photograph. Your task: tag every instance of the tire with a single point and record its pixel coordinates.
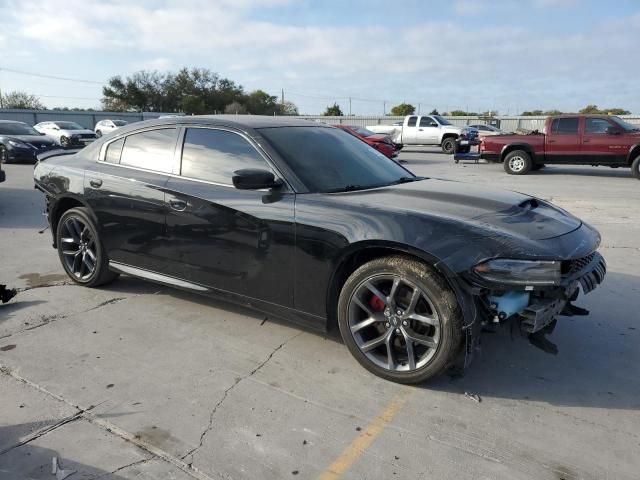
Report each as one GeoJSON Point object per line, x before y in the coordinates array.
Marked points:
{"type": "Point", "coordinates": [538, 166]}
{"type": "Point", "coordinates": [98, 133]}
{"type": "Point", "coordinates": [4, 155]}
{"type": "Point", "coordinates": [433, 323]}
{"type": "Point", "coordinates": [517, 162]}
{"type": "Point", "coordinates": [635, 167]}
{"type": "Point", "coordinates": [449, 145]}
{"type": "Point", "coordinates": [64, 141]}
{"type": "Point", "coordinates": [78, 241]}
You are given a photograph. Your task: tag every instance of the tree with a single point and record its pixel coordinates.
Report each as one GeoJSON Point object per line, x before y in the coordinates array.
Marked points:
{"type": "Point", "coordinates": [333, 111]}
{"type": "Point", "coordinates": [434, 112]}
{"type": "Point", "coordinates": [21, 100]}
{"type": "Point", "coordinates": [617, 111]}
{"type": "Point", "coordinates": [553, 112]}
{"type": "Point", "coordinates": [403, 109]}
{"type": "Point", "coordinates": [288, 108]}
{"type": "Point", "coordinates": [259, 102]}
{"type": "Point", "coordinates": [590, 109]}
{"type": "Point", "coordinates": [462, 113]}
{"type": "Point", "coordinates": [235, 108]}
{"type": "Point", "coordinates": [532, 113]}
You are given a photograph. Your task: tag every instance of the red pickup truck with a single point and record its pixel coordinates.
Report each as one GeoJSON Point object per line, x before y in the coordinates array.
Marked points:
{"type": "Point", "coordinates": [567, 140]}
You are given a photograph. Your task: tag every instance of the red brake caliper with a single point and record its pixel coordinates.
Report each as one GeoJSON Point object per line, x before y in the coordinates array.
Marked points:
{"type": "Point", "coordinates": [376, 303]}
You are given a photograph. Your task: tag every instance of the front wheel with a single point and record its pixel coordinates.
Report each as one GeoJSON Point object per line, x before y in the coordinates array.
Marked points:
{"type": "Point", "coordinates": [400, 319]}
{"type": "Point", "coordinates": [449, 145]}
{"type": "Point", "coordinates": [98, 133]}
{"type": "Point", "coordinates": [4, 154]}
{"type": "Point", "coordinates": [80, 250]}
{"type": "Point", "coordinates": [64, 141]}
{"type": "Point", "coordinates": [517, 162]}
{"type": "Point", "coordinates": [635, 167]}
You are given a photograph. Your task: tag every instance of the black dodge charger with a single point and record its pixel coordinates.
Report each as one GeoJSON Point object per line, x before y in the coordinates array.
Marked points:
{"type": "Point", "coordinates": [20, 142]}
{"type": "Point", "coordinates": [306, 222]}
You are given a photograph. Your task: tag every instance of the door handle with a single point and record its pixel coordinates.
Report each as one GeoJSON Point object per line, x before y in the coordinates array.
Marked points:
{"type": "Point", "coordinates": [421, 130]}
{"type": "Point", "coordinates": [178, 205]}
{"type": "Point", "coordinates": [95, 182]}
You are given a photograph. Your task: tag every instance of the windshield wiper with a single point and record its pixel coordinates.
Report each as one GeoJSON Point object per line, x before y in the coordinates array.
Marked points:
{"type": "Point", "coordinates": [406, 180]}
{"type": "Point", "coordinates": [346, 188]}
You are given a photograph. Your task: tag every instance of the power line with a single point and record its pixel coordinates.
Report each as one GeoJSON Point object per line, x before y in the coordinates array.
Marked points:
{"type": "Point", "coordinates": [53, 77]}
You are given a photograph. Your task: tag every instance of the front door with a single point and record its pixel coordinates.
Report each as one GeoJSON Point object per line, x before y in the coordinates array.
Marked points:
{"type": "Point", "coordinates": [237, 241]}
{"type": "Point", "coordinates": [428, 131]}
{"type": "Point", "coordinates": [600, 144]}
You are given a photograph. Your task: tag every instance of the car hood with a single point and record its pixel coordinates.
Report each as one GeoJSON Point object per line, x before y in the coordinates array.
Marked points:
{"type": "Point", "coordinates": [76, 132]}
{"type": "Point", "coordinates": [486, 208]}
{"type": "Point", "coordinates": [453, 128]}
{"type": "Point", "coordinates": [32, 139]}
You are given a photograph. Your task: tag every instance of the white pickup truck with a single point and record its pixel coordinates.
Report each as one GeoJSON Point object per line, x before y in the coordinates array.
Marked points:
{"type": "Point", "coordinates": [422, 130]}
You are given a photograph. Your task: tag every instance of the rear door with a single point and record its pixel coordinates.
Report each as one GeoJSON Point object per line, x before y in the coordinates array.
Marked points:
{"type": "Point", "coordinates": [563, 141]}
{"type": "Point", "coordinates": [237, 241]}
{"type": "Point", "coordinates": [125, 190]}
{"type": "Point", "coordinates": [428, 131]}
{"type": "Point", "coordinates": [601, 146]}
{"type": "Point", "coordinates": [410, 130]}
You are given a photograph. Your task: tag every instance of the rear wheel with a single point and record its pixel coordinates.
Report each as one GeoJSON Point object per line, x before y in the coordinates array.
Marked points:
{"type": "Point", "coordinates": [400, 319]}
{"type": "Point", "coordinates": [635, 167]}
{"type": "Point", "coordinates": [80, 250]}
{"type": "Point", "coordinates": [98, 133]}
{"type": "Point", "coordinates": [517, 162]}
{"type": "Point", "coordinates": [449, 145]}
{"type": "Point", "coordinates": [64, 141]}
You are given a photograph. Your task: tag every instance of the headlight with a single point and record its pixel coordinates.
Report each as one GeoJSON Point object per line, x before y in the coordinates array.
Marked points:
{"type": "Point", "coordinates": [519, 272]}
{"type": "Point", "coordinates": [13, 143]}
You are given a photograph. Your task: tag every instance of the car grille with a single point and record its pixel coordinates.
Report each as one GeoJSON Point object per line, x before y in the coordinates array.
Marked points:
{"type": "Point", "coordinates": [86, 135]}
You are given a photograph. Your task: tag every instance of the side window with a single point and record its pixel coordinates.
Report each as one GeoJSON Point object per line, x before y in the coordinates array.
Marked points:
{"type": "Point", "coordinates": [565, 126]}
{"type": "Point", "coordinates": [426, 121]}
{"type": "Point", "coordinates": [412, 121]}
{"type": "Point", "coordinates": [213, 155]}
{"type": "Point", "coordinates": [152, 150]}
{"type": "Point", "coordinates": [114, 149]}
{"type": "Point", "coordinates": [596, 125]}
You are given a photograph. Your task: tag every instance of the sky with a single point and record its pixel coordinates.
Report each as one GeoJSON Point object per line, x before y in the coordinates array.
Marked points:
{"type": "Point", "coordinates": [478, 55]}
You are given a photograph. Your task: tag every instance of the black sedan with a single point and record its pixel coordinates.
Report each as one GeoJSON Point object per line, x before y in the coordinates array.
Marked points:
{"type": "Point", "coordinates": [20, 142]}
{"type": "Point", "coordinates": [308, 223]}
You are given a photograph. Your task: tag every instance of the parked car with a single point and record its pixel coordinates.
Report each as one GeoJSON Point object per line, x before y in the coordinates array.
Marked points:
{"type": "Point", "coordinates": [380, 142]}
{"type": "Point", "coordinates": [422, 130]}
{"type": "Point", "coordinates": [107, 126]}
{"type": "Point", "coordinates": [297, 219]}
{"type": "Point", "coordinates": [20, 142]}
{"type": "Point", "coordinates": [67, 134]}
{"type": "Point", "coordinates": [486, 130]}
{"type": "Point", "coordinates": [567, 140]}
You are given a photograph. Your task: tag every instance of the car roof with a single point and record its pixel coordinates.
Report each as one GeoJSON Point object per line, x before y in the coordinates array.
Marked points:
{"type": "Point", "coordinates": [13, 121]}
{"type": "Point", "coordinates": [236, 121]}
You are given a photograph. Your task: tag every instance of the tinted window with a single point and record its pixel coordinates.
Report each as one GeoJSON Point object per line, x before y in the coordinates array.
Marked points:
{"type": "Point", "coordinates": [114, 149]}
{"type": "Point", "coordinates": [412, 121]}
{"type": "Point", "coordinates": [17, 129]}
{"type": "Point", "coordinates": [152, 150]}
{"type": "Point", "coordinates": [119, 123]}
{"type": "Point", "coordinates": [214, 155]}
{"type": "Point", "coordinates": [325, 159]}
{"type": "Point", "coordinates": [596, 125]}
{"type": "Point", "coordinates": [565, 126]}
{"type": "Point", "coordinates": [426, 121]}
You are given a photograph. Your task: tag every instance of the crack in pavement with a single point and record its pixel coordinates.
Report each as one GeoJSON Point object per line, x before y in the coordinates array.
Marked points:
{"type": "Point", "coordinates": [45, 285]}
{"type": "Point", "coordinates": [47, 319]}
{"type": "Point", "coordinates": [132, 464]}
{"type": "Point", "coordinates": [226, 393]}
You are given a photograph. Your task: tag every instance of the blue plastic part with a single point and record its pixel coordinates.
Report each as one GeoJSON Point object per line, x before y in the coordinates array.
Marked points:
{"type": "Point", "coordinates": [509, 303]}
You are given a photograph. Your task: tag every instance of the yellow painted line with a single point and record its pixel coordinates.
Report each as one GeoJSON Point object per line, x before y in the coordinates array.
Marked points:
{"type": "Point", "coordinates": [350, 454]}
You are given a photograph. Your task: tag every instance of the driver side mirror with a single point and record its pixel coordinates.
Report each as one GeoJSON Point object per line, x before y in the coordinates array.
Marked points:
{"type": "Point", "coordinates": [433, 124]}
{"type": "Point", "coordinates": [254, 179]}
{"type": "Point", "coordinates": [613, 131]}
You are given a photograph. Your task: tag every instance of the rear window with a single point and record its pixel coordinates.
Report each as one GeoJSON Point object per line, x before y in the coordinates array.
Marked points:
{"type": "Point", "coordinates": [114, 149]}
{"type": "Point", "coordinates": [565, 126]}
{"type": "Point", "coordinates": [412, 121]}
{"type": "Point", "coordinates": [151, 150]}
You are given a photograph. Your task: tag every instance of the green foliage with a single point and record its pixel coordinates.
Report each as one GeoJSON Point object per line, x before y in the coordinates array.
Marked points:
{"type": "Point", "coordinates": [403, 109]}
{"type": "Point", "coordinates": [21, 100]}
{"type": "Point", "coordinates": [461, 113]}
{"type": "Point", "coordinates": [434, 112]}
{"type": "Point", "coordinates": [333, 111]}
{"type": "Point", "coordinates": [261, 103]}
{"type": "Point", "coordinates": [288, 108]}
{"type": "Point", "coordinates": [593, 109]}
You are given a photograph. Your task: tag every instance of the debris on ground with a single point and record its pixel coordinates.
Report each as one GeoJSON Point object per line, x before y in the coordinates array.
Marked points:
{"type": "Point", "coordinates": [7, 294]}
{"type": "Point", "coordinates": [476, 398]}
{"type": "Point", "coordinates": [58, 471]}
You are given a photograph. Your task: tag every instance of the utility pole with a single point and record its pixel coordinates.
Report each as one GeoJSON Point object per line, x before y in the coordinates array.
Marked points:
{"type": "Point", "coordinates": [384, 107]}
{"type": "Point", "coordinates": [418, 109]}
{"type": "Point", "coordinates": [349, 106]}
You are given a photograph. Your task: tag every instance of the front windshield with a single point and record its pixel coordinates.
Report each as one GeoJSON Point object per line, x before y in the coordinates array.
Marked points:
{"type": "Point", "coordinates": [363, 131]}
{"type": "Point", "coordinates": [119, 123]}
{"type": "Point", "coordinates": [626, 126]}
{"type": "Point", "coordinates": [442, 120]}
{"type": "Point", "coordinates": [69, 126]}
{"type": "Point", "coordinates": [328, 160]}
{"type": "Point", "coordinates": [17, 129]}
